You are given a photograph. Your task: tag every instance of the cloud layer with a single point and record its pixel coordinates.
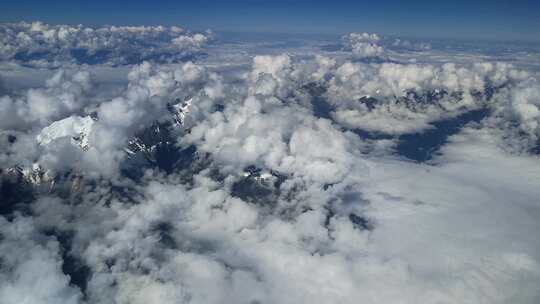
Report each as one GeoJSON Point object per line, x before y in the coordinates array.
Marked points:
{"type": "Point", "coordinates": [284, 180]}
{"type": "Point", "coordinates": [39, 44]}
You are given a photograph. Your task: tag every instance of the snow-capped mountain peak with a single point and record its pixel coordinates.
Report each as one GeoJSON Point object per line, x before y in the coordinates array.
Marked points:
{"type": "Point", "coordinates": [75, 127]}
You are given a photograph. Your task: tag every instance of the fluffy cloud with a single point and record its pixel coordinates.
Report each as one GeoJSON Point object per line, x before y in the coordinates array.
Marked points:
{"type": "Point", "coordinates": [31, 270]}
{"type": "Point", "coordinates": [398, 98]}
{"type": "Point", "coordinates": [64, 94]}
{"type": "Point", "coordinates": [72, 126]}
{"type": "Point", "coordinates": [145, 101]}
{"type": "Point", "coordinates": [364, 45]}
{"type": "Point", "coordinates": [40, 44]}
{"type": "Point", "coordinates": [525, 105]}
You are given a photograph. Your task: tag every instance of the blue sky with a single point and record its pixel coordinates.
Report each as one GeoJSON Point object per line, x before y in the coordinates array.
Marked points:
{"type": "Point", "coordinates": [481, 19]}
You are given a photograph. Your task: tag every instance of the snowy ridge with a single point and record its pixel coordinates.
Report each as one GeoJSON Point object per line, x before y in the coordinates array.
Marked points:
{"type": "Point", "coordinates": [77, 128]}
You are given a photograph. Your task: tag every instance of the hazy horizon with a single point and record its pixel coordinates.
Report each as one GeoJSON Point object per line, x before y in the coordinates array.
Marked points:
{"type": "Point", "coordinates": [486, 20]}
